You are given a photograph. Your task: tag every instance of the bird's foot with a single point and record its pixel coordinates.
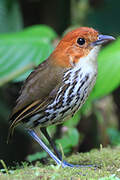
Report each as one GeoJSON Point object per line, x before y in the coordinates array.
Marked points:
{"type": "Point", "coordinates": [58, 160]}
{"type": "Point", "coordinates": [66, 164]}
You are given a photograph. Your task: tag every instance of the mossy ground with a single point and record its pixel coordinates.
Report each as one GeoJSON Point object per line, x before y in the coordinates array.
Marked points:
{"type": "Point", "coordinates": [106, 165]}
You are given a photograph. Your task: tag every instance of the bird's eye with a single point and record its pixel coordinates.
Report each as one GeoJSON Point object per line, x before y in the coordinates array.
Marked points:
{"type": "Point", "coordinates": [81, 41]}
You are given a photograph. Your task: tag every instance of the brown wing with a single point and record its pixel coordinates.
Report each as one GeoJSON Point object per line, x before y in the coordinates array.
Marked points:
{"type": "Point", "coordinates": [39, 88]}
{"type": "Point", "coordinates": [38, 85]}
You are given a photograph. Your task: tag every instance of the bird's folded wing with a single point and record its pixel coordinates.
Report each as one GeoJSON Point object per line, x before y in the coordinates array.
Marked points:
{"type": "Point", "coordinates": [38, 90]}
{"type": "Point", "coordinates": [28, 112]}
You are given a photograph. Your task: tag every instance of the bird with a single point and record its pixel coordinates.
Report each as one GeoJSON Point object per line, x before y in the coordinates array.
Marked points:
{"type": "Point", "coordinates": [58, 87]}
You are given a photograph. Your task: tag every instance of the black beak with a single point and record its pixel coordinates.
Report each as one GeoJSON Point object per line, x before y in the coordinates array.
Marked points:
{"type": "Point", "coordinates": [102, 39]}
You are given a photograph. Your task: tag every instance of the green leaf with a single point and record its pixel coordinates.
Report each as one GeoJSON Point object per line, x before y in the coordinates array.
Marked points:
{"type": "Point", "coordinates": [19, 52]}
{"type": "Point", "coordinates": [36, 156]}
{"type": "Point", "coordinates": [73, 121]}
{"type": "Point", "coordinates": [114, 136]}
{"type": "Point", "coordinates": [108, 70]}
{"type": "Point", "coordinates": [69, 140]}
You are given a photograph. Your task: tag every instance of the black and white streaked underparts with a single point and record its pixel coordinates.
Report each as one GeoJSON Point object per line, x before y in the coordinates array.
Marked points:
{"type": "Point", "coordinates": [75, 88]}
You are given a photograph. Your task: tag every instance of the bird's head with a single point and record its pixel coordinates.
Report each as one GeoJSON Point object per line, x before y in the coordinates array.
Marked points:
{"type": "Point", "coordinates": [78, 44]}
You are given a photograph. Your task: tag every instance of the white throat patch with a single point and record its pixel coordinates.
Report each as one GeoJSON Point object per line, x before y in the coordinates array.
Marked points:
{"type": "Point", "coordinates": [91, 57]}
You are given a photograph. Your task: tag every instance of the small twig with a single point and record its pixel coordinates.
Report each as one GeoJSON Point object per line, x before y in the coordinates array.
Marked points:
{"type": "Point", "coordinates": [4, 166]}
{"type": "Point", "coordinates": [62, 152]}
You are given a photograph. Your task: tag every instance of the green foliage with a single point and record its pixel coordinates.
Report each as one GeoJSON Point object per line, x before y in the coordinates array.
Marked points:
{"type": "Point", "coordinates": [19, 50]}
{"type": "Point", "coordinates": [36, 156]}
{"type": "Point", "coordinates": [69, 140]}
{"type": "Point", "coordinates": [108, 70]}
{"type": "Point", "coordinates": [73, 121]}
{"type": "Point", "coordinates": [114, 136]}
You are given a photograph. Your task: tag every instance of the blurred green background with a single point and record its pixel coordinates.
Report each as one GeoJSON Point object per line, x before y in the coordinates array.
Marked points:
{"type": "Point", "coordinates": [29, 31]}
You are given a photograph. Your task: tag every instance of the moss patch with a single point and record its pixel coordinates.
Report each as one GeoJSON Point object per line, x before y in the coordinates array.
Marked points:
{"type": "Point", "coordinates": [106, 166]}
